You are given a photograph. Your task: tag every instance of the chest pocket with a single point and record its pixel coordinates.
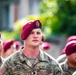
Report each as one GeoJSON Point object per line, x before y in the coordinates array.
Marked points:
{"type": "Point", "coordinates": [22, 70]}
{"type": "Point", "coordinates": [43, 69]}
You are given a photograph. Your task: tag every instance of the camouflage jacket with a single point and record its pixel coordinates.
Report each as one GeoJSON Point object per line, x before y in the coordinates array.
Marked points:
{"type": "Point", "coordinates": [66, 69]}
{"type": "Point", "coordinates": [18, 64]}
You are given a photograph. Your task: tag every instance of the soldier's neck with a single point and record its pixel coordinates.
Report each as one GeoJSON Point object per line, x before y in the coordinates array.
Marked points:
{"type": "Point", "coordinates": [30, 52]}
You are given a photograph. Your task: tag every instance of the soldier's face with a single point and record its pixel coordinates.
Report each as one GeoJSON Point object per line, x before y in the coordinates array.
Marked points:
{"type": "Point", "coordinates": [35, 37]}
{"type": "Point", "coordinates": [10, 51]}
{"type": "Point", "coordinates": [72, 58]}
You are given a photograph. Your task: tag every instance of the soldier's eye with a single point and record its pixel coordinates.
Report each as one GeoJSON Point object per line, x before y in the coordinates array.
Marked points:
{"type": "Point", "coordinates": [38, 33]}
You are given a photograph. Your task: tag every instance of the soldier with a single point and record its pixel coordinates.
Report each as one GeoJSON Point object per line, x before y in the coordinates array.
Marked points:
{"type": "Point", "coordinates": [62, 58]}
{"type": "Point", "coordinates": [7, 50]}
{"type": "Point", "coordinates": [69, 66]}
{"type": "Point", "coordinates": [30, 60]}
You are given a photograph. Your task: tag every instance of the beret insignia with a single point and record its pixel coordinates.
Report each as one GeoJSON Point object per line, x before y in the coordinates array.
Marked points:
{"type": "Point", "coordinates": [37, 24]}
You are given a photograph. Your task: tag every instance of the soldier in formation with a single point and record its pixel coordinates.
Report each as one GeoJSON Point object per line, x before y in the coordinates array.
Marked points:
{"type": "Point", "coordinates": [69, 66]}
{"type": "Point", "coordinates": [30, 60]}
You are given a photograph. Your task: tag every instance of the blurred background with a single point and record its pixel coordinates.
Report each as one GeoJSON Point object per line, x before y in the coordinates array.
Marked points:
{"type": "Point", "coordinates": [58, 18]}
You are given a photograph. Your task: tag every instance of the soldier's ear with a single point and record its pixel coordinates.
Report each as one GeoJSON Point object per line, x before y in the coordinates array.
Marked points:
{"type": "Point", "coordinates": [42, 38]}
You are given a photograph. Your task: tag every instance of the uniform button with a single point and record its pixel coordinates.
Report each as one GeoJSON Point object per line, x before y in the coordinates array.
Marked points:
{"type": "Point", "coordinates": [34, 73]}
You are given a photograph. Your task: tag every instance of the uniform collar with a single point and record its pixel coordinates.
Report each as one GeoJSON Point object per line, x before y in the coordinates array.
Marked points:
{"type": "Point", "coordinates": [41, 57]}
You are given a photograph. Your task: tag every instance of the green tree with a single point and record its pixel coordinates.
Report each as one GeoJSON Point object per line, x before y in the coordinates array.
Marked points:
{"type": "Point", "coordinates": [60, 16]}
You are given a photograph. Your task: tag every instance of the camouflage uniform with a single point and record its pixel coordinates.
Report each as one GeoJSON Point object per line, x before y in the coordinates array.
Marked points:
{"type": "Point", "coordinates": [66, 69]}
{"type": "Point", "coordinates": [18, 64]}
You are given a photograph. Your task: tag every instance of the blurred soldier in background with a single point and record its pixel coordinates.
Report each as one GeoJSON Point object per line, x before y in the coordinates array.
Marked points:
{"type": "Point", "coordinates": [17, 45]}
{"type": "Point", "coordinates": [30, 60]}
{"type": "Point", "coordinates": [7, 50]}
{"type": "Point", "coordinates": [62, 57]}
{"type": "Point", "coordinates": [69, 66]}
{"type": "Point", "coordinates": [46, 46]}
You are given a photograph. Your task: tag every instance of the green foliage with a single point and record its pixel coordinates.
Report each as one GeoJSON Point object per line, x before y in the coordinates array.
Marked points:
{"type": "Point", "coordinates": [10, 35]}
{"type": "Point", "coordinates": [67, 16]}
{"type": "Point", "coordinates": [48, 10]}
{"type": "Point", "coordinates": [60, 16]}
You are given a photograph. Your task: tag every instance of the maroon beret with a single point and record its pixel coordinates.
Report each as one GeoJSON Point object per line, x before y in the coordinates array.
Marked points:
{"type": "Point", "coordinates": [7, 44]}
{"type": "Point", "coordinates": [46, 45]}
{"type": "Point", "coordinates": [71, 38]}
{"type": "Point", "coordinates": [70, 47]}
{"type": "Point", "coordinates": [28, 27]}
